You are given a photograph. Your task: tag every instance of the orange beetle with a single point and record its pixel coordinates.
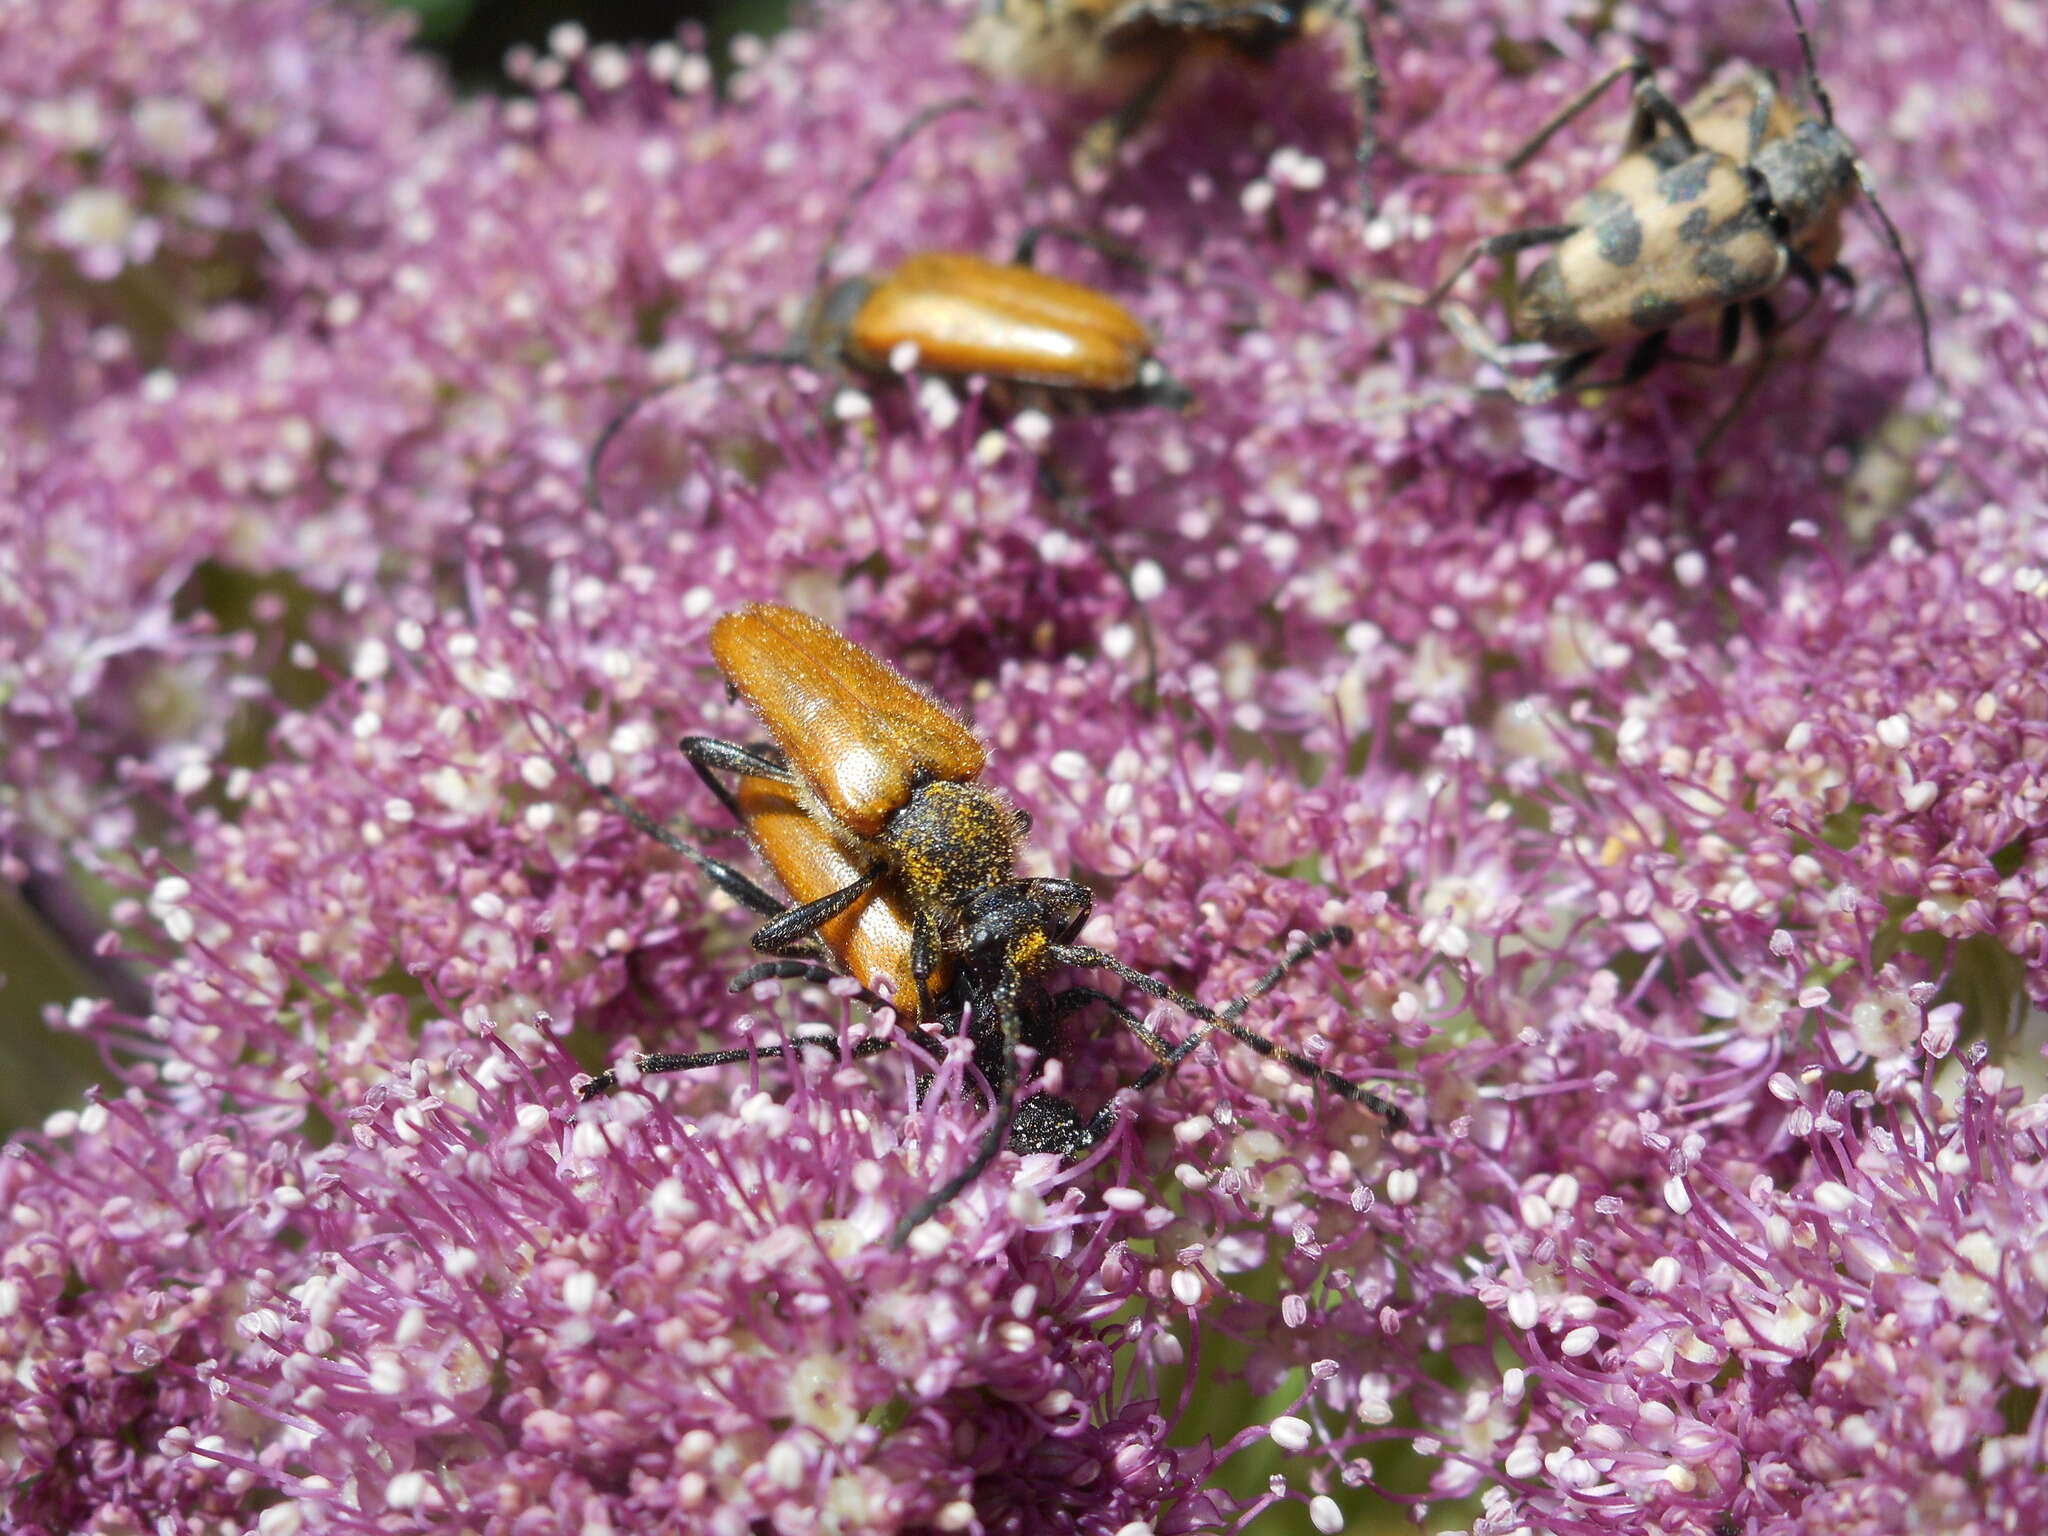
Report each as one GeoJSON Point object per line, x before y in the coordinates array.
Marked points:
{"type": "Point", "coordinates": [1036, 338]}
{"type": "Point", "coordinates": [870, 809]}
{"type": "Point", "coordinates": [961, 315]}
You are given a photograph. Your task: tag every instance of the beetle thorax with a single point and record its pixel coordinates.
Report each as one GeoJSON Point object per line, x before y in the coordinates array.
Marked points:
{"type": "Point", "coordinates": [1811, 173]}
{"type": "Point", "coordinates": [826, 326]}
{"type": "Point", "coordinates": [950, 841]}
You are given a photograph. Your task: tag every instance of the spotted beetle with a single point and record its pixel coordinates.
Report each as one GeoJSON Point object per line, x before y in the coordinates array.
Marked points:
{"type": "Point", "coordinates": [1133, 50]}
{"type": "Point", "coordinates": [868, 806]}
{"type": "Point", "coordinates": [1709, 210]}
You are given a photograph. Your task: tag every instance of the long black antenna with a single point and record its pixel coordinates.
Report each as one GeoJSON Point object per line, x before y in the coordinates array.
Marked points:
{"type": "Point", "coordinates": [910, 130]}
{"type": "Point", "coordinates": [1868, 183]}
{"type": "Point", "coordinates": [1818, 91]}
{"type": "Point", "coordinates": [1891, 238]}
{"type": "Point", "coordinates": [795, 354]}
{"type": "Point", "coordinates": [592, 491]}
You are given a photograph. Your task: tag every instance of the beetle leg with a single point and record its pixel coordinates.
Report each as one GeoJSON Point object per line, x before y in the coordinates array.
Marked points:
{"type": "Point", "coordinates": [1729, 339]}
{"type": "Point", "coordinates": [783, 970]}
{"type": "Point", "coordinates": [1167, 1057]}
{"type": "Point", "coordinates": [1074, 518]}
{"type": "Point", "coordinates": [1765, 320]}
{"type": "Point", "coordinates": [740, 888]}
{"type": "Point", "coordinates": [1045, 1122]}
{"type": "Point", "coordinates": [668, 1061]}
{"type": "Point", "coordinates": [1062, 907]}
{"type": "Point", "coordinates": [710, 757]}
{"type": "Point", "coordinates": [753, 762]}
{"type": "Point", "coordinates": [1639, 68]}
{"type": "Point", "coordinates": [1507, 244]}
{"type": "Point", "coordinates": [1553, 381]}
{"type": "Point", "coordinates": [1538, 390]}
{"type": "Point", "coordinates": [784, 935]}
{"type": "Point", "coordinates": [1007, 1006]}
{"type": "Point", "coordinates": [1227, 1019]}
{"type": "Point", "coordinates": [1074, 999]}
{"type": "Point", "coordinates": [1731, 334]}
{"type": "Point", "coordinates": [719, 873]}
{"type": "Point", "coordinates": [1646, 355]}
{"type": "Point", "coordinates": [925, 950]}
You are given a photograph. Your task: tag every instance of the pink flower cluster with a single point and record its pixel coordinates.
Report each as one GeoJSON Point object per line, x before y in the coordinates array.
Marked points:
{"type": "Point", "coordinates": [1688, 806]}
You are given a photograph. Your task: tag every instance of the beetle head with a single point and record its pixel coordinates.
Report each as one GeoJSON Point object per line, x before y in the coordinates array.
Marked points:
{"type": "Point", "coordinates": [831, 318]}
{"type": "Point", "coordinates": [1009, 927]}
{"type": "Point", "coordinates": [1811, 174]}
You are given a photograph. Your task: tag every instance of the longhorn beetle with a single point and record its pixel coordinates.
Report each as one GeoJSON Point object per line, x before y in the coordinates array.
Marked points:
{"type": "Point", "coordinates": [959, 315]}
{"type": "Point", "coordinates": [1032, 336]}
{"type": "Point", "coordinates": [1134, 50]}
{"type": "Point", "coordinates": [869, 808]}
{"type": "Point", "coordinates": [1709, 209]}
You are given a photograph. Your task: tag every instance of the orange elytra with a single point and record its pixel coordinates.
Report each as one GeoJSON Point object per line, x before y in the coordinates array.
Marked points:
{"type": "Point", "coordinates": [857, 734]}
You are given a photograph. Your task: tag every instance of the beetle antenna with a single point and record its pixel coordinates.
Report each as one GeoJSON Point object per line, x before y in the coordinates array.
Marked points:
{"type": "Point", "coordinates": [1227, 1017]}
{"type": "Point", "coordinates": [1826, 104]}
{"type": "Point", "coordinates": [592, 492]}
{"type": "Point", "coordinates": [790, 357]}
{"type": "Point", "coordinates": [1813, 85]}
{"type": "Point", "coordinates": [1891, 238]}
{"type": "Point", "coordinates": [867, 183]}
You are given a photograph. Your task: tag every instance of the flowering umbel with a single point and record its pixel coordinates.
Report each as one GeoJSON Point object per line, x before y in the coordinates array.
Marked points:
{"type": "Point", "coordinates": [1686, 804]}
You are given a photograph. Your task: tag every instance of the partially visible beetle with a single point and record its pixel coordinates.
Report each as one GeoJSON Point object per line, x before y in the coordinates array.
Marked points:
{"type": "Point", "coordinates": [1708, 211]}
{"type": "Point", "coordinates": [1133, 50]}
{"type": "Point", "coordinates": [870, 809]}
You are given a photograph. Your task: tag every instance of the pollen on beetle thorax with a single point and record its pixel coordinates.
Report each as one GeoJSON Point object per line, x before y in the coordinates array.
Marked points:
{"type": "Point", "coordinates": [953, 839]}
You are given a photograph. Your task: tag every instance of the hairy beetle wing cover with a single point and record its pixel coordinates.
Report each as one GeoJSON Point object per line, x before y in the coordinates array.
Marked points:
{"type": "Point", "coordinates": [871, 938]}
{"type": "Point", "coordinates": [852, 727]}
{"type": "Point", "coordinates": [966, 315]}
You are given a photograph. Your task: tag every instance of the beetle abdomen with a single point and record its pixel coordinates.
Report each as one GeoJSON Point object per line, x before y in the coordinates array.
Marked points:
{"type": "Point", "coordinates": [1656, 248]}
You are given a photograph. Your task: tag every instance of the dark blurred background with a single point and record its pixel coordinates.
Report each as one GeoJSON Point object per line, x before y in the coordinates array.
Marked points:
{"type": "Point", "coordinates": [472, 35]}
